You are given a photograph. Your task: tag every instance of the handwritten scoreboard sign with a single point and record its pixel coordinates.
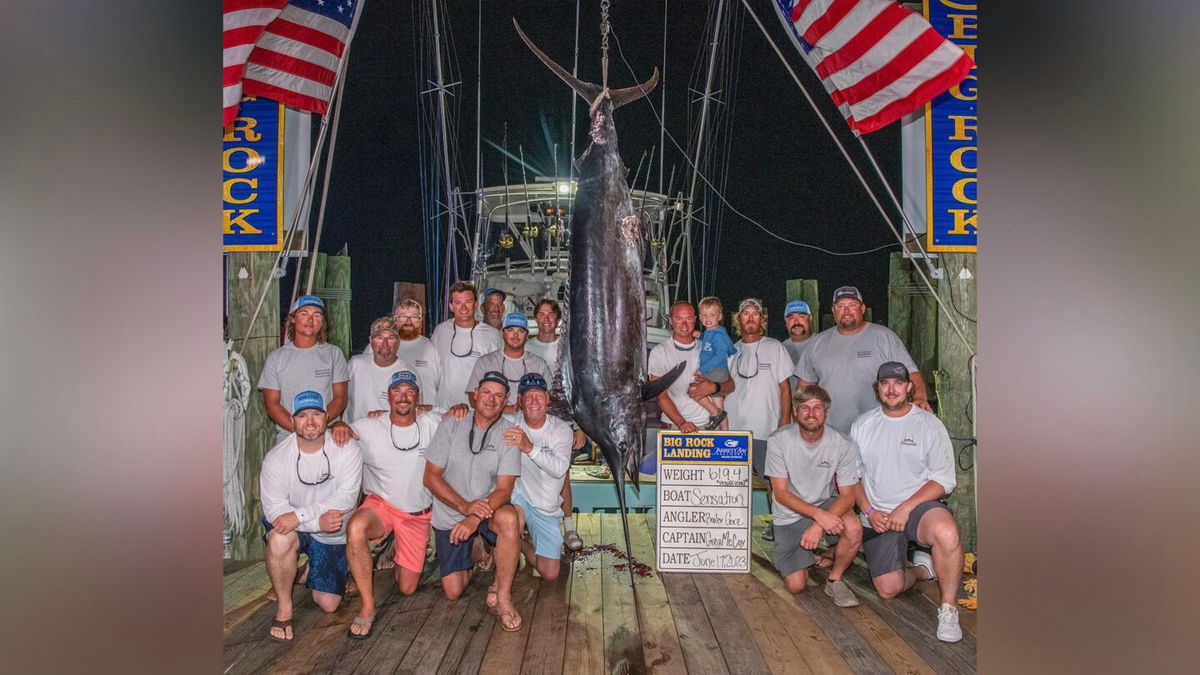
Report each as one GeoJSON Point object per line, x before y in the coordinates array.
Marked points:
{"type": "Point", "coordinates": [252, 187]}
{"type": "Point", "coordinates": [952, 139]}
{"type": "Point", "coordinates": [704, 501]}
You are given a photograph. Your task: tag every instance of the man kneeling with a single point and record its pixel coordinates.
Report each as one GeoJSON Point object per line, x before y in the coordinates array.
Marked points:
{"type": "Point", "coordinates": [471, 472]}
{"type": "Point", "coordinates": [802, 459]}
{"type": "Point", "coordinates": [545, 445]}
{"type": "Point", "coordinates": [393, 451]}
{"type": "Point", "coordinates": [306, 486]}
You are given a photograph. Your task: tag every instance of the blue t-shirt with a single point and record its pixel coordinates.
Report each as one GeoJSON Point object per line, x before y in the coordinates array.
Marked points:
{"type": "Point", "coordinates": [715, 349]}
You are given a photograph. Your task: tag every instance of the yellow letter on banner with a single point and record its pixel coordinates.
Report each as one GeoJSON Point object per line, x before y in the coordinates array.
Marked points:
{"type": "Point", "coordinates": [962, 222]}
{"type": "Point", "coordinates": [227, 187]}
{"type": "Point", "coordinates": [244, 125]}
{"type": "Point", "coordinates": [240, 221]}
{"type": "Point", "coordinates": [253, 160]}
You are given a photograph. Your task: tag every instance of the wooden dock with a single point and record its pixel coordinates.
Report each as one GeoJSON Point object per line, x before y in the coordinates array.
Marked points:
{"type": "Point", "coordinates": [588, 622]}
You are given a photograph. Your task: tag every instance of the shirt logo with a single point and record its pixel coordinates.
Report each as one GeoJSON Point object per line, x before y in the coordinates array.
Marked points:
{"type": "Point", "coordinates": [864, 354]}
{"type": "Point", "coordinates": [908, 440]}
{"type": "Point", "coordinates": [823, 464]}
{"type": "Point", "coordinates": [323, 372]}
{"type": "Point", "coordinates": [420, 363]}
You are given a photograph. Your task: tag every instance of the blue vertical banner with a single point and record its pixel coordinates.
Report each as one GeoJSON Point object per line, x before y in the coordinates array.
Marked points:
{"type": "Point", "coordinates": [252, 178]}
{"type": "Point", "coordinates": [952, 138]}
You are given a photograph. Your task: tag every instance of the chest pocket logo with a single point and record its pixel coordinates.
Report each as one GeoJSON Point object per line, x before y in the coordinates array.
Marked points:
{"type": "Point", "coordinates": [864, 354]}
{"type": "Point", "coordinates": [908, 440]}
{"type": "Point", "coordinates": [323, 372]}
{"type": "Point", "coordinates": [823, 464]}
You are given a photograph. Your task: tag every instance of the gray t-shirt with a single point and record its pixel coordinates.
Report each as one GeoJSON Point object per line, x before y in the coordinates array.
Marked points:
{"type": "Point", "coordinates": [471, 474]}
{"type": "Point", "coordinates": [513, 370]}
{"type": "Point", "coordinates": [846, 365]}
{"type": "Point", "coordinates": [292, 370]}
{"type": "Point", "coordinates": [810, 468]}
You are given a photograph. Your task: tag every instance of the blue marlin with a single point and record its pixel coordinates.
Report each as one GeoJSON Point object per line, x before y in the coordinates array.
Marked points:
{"type": "Point", "coordinates": [606, 326]}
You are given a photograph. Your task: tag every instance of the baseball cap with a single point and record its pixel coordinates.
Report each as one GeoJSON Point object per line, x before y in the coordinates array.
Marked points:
{"type": "Point", "coordinates": [404, 377]}
{"type": "Point", "coordinates": [307, 301]}
{"type": "Point", "coordinates": [892, 370]}
{"type": "Point", "coordinates": [796, 307]}
{"type": "Point", "coordinates": [488, 291]}
{"type": "Point", "coordinates": [517, 320]}
{"type": "Point", "coordinates": [497, 377]}
{"type": "Point", "coordinates": [307, 399]}
{"type": "Point", "coordinates": [847, 292]}
{"type": "Point", "coordinates": [532, 381]}
{"type": "Point", "coordinates": [384, 323]}
{"type": "Point", "coordinates": [751, 302]}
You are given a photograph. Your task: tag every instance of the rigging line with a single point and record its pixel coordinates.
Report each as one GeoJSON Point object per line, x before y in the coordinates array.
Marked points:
{"type": "Point", "coordinates": [728, 204]}
{"type": "Point", "coordinates": [478, 96]}
{"type": "Point", "coordinates": [663, 93]}
{"type": "Point", "coordinates": [326, 180]}
{"type": "Point", "coordinates": [953, 323]}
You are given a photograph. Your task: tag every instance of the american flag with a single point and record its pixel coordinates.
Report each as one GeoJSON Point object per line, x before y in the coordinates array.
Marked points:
{"type": "Point", "coordinates": [295, 59]}
{"type": "Point", "coordinates": [878, 60]}
{"type": "Point", "coordinates": [245, 21]}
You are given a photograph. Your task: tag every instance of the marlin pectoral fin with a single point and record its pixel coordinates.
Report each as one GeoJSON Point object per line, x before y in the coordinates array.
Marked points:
{"type": "Point", "coordinates": [653, 388]}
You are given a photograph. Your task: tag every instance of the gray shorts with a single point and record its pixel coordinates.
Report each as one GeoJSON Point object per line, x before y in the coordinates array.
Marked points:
{"type": "Point", "coordinates": [789, 556]}
{"type": "Point", "coordinates": [717, 375]}
{"type": "Point", "coordinates": [888, 551]}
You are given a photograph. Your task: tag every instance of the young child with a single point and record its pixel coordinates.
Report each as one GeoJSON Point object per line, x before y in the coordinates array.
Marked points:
{"type": "Point", "coordinates": [715, 350]}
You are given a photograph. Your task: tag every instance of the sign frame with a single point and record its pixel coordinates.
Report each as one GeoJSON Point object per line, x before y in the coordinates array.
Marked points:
{"type": "Point", "coordinates": [279, 111]}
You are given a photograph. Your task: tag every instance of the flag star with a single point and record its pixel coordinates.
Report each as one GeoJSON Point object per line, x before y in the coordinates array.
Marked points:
{"type": "Point", "coordinates": [341, 9]}
{"type": "Point", "coordinates": [321, 2]}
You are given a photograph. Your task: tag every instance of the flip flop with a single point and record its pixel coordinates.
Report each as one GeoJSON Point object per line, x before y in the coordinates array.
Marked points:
{"type": "Point", "coordinates": [510, 614]}
{"type": "Point", "coordinates": [362, 621]}
{"type": "Point", "coordinates": [284, 624]}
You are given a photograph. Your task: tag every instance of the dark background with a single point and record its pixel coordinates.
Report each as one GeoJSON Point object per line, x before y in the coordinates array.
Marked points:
{"type": "Point", "coordinates": [782, 169]}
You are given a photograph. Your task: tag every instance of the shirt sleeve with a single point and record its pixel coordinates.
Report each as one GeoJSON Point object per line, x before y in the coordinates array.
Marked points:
{"type": "Point", "coordinates": [438, 449]}
{"type": "Point", "coordinates": [341, 371]}
{"type": "Point", "coordinates": [780, 363]}
{"type": "Point", "coordinates": [555, 459]}
{"type": "Point", "coordinates": [656, 365]}
{"type": "Point", "coordinates": [849, 470]}
{"type": "Point", "coordinates": [272, 490]}
{"type": "Point", "coordinates": [939, 461]}
{"type": "Point", "coordinates": [897, 352]}
{"type": "Point", "coordinates": [509, 461]}
{"type": "Point", "coordinates": [269, 378]}
{"type": "Point", "coordinates": [804, 367]}
{"type": "Point", "coordinates": [774, 465]}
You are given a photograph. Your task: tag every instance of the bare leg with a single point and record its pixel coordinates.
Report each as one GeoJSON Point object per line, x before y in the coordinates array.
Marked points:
{"type": "Point", "coordinates": [796, 582]}
{"type": "Point", "coordinates": [407, 580]}
{"type": "Point", "coordinates": [281, 568]}
{"type": "Point", "coordinates": [455, 583]}
{"type": "Point", "coordinates": [894, 583]}
{"type": "Point", "coordinates": [938, 530]}
{"type": "Point", "coordinates": [710, 406]}
{"type": "Point", "coordinates": [504, 523]}
{"type": "Point", "coordinates": [364, 525]}
{"type": "Point", "coordinates": [847, 545]}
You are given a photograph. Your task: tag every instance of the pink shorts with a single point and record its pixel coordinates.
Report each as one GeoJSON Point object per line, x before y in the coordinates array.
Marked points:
{"type": "Point", "coordinates": [412, 531]}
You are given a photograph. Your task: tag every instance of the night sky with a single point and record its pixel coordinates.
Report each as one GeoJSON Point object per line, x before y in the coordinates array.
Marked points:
{"type": "Point", "coordinates": [783, 169]}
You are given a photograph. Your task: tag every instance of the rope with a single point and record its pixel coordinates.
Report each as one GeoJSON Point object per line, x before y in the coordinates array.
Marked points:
{"type": "Point", "coordinates": [237, 397]}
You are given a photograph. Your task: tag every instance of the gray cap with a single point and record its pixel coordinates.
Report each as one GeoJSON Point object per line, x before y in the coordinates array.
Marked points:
{"type": "Point", "coordinates": [892, 370]}
{"type": "Point", "coordinates": [847, 292]}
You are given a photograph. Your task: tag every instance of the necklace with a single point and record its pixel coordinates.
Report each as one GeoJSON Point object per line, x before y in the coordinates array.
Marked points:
{"type": "Point", "coordinates": [483, 441]}
{"type": "Point", "coordinates": [504, 363]}
{"type": "Point", "coordinates": [754, 372]}
{"type": "Point", "coordinates": [470, 348]}
{"type": "Point", "coordinates": [392, 435]}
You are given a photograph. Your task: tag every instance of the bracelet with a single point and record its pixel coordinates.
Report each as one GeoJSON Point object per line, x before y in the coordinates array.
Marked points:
{"type": "Point", "coordinates": [870, 510]}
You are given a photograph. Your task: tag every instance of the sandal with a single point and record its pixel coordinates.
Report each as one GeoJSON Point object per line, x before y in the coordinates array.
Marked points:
{"type": "Point", "coordinates": [368, 621]}
{"type": "Point", "coordinates": [284, 624]}
{"type": "Point", "coordinates": [510, 621]}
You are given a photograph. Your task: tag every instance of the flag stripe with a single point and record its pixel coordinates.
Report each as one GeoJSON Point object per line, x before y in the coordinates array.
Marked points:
{"type": "Point", "coordinates": [866, 32]}
{"type": "Point", "coordinates": [310, 36]}
{"type": "Point", "coordinates": [896, 69]}
{"type": "Point", "coordinates": [290, 95]}
{"type": "Point", "coordinates": [829, 19]}
{"type": "Point", "coordinates": [243, 24]}
{"type": "Point", "coordinates": [267, 60]}
{"type": "Point", "coordinates": [924, 93]}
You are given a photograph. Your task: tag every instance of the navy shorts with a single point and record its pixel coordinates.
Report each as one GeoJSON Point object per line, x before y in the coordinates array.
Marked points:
{"type": "Point", "coordinates": [457, 557]}
{"type": "Point", "coordinates": [327, 566]}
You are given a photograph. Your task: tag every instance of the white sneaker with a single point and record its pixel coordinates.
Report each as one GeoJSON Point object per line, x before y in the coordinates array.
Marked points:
{"type": "Point", "coordinates": [948, 629]}
{"type": "Point", "coordinates": [924, 560]}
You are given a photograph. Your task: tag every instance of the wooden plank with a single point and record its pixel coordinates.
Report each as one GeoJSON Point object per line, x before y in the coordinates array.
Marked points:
{"type": "Point", "coordinates": [431, 642]}
{"type": "Point", "coordinates": [622, 635]}
{"type": "Point", "coordinates": [546, 649]}
{"type": "Point", "coordinates": [243, 612]}
{"type": "Point", "coordinates": [737, 644]}
{"type": "Point", "coordinates": [857, 652]}
{"type": "Point", "coordinates": [395, 633]}
{"type": "Point", "coordinates": [506, 650]}
{"type": "Point", "coordinates": [696, 636]}
{"type": "Point", "coordinates": [585, 623]}
{"type": "Point", "coordinates": [957, 291]}
{"type": "Point", "coordinates": [660, 643]}
{"type": "Point", "coordinates": [910, 616]}
{"type": "Point", "coordinates": [345, 656]}
{"type": "Point", "coordinates": [261, 651]}
{"type": "Point", "coordinates": [900, 297]}
{"type": "Point", "coordinates": [820, 654]}
{"type": "Point", "coordinates": [469, 645]}
{"type": "Point", "coordinates": [769, 634]}
{"type": "Point", "coordinates": [337, 310]}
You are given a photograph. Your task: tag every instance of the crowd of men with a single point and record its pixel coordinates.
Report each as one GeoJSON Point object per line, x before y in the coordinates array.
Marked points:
{"type": "Point", "coordinates": [454, 433]}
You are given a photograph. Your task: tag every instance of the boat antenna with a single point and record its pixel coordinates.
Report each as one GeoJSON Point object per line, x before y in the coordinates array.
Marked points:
{"type": "Point", "coordinates": [662, 128]}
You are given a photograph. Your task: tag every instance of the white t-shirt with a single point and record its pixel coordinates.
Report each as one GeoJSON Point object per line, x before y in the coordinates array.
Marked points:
{"type": "Point", "coordinates": [754, 404]}
{"type": "Point", "coordinates": [846, 366]}
{"type": "Point", "coordinates": [900, 454]}
{"type": "Point", "coordinates": [549, 353]}
{"type": "Point", "coordinates": [809, 468]}
{"type": "Point", "coordinates": [513, 370]}
{"type": "Point", "coordinates": [471, 344]}
{"type": "Point", "coordinates": [663, 358]}
{"type": "Point", "coordinates": [796, 350]}
{"type": "Point", "coordinates": [282, 491]}
{"type": "Point", "coordinates": [426, 364]}
{"type": "Point", "coordinates": [544, 469]}
{"type": "Point", "coordinates": [369, 383]}
{"type": "Point", "coordinates": [396, 475]}
{"type": "Point", "coordinates": [291, 370]}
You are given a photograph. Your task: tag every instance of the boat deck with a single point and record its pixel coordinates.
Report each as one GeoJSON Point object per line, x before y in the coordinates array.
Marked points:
{"type": "Point", "coordinates": [587, 622]}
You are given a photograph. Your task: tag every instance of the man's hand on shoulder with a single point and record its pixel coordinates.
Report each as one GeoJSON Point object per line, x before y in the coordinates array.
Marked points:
{"type": "Point", "coordinates": [341, 433]}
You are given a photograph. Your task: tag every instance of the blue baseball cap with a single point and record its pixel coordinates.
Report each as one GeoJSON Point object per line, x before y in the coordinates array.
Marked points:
{"type": "Point", "coordinates": [308, 301]}
{"type": "Point", "coordinates": [404, 377]}
{"type": "Point", "coordinates": [532, 381]}
{"type": "Point", "coordinates": [488, 291]}
{"type": "Point", "coordinates": [307, 399]}
{"type": "Point", "coordinates": [495, 376]}
{"type": "Point", "coordinates": [516, 320]}
{"type": "Point", "coordinates": [797, 306]}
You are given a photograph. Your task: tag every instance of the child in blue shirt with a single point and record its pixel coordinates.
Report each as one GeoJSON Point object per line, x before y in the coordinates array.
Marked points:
{"type": "Point", "coordinates": [715, 350]}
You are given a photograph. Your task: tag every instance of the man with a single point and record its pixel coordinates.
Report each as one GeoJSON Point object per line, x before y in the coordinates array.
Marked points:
{"type": "Point", "coordinates": [393, 456]}
{"type": "Point", "coordinates": [907, 467]}
{"type": "Point", "coordinates": [512, 361]}
{"type": "Point", "coordinates": [493, 307]}
{"type": "Point", "coordinates": [761, 399]}
{"type": "Point", "coordinates": [460, 341]}
{"type": "Point", "coordinates": [306, 362]}
{"type": "Point", "coordinates": [545, 445]}
{"type": "Point", "coordinates": [416, 349]}
{"type": "Point", "coordinates": [471, 472]}
{"type": "Point", "coordinates": [370, 373]}
{"type": "Point", "coordinates": [679, 401]}
{"type": "Point", "coordinates": [798, 319]}
{"type": "Point", "coordinates": [306, 486]}
{"type": "Point", "coordinates": [547, 315]}
{"type": "Point", "coordinates": [844, 358]}
{"type": "Point", "coordinates": [802, 460]}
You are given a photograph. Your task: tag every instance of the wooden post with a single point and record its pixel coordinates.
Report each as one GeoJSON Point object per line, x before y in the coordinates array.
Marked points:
{"type": "Point", "coordinates": [899, 298]}
{"type": "Point", "coordinates": [954, 388]}
{"type": "Point", "coordinates": [337, 305]}
{"type": "Point", "coordinates": [264, 338]}
{"type": "Point", "coordinates": [404, 290]}
{"type": "Point", "coordinates": [318, 273]}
